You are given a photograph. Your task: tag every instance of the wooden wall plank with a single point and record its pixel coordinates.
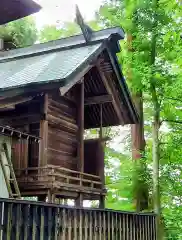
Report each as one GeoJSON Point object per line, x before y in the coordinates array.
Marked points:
{"type": "Point", "coordinates": [62, 132]}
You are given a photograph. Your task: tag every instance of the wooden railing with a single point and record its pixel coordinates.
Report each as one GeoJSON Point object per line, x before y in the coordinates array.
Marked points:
{"type": "Point", "coordinates": [33, 220]}
{"type": "Point", "coordinates": [58, 175]}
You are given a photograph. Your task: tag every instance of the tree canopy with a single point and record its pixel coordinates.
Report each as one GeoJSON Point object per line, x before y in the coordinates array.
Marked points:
{"type": "Point", "coordinates": [151, 61]}
{"type": "Point", "coordinates": [20, 33]}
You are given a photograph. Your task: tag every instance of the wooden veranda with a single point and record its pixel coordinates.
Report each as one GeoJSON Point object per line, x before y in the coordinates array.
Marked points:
{"type": "Point", "coordinates": [34, 220]}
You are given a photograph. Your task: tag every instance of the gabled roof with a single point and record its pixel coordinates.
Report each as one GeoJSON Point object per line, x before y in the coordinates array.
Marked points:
{"type": "Point", "coordinates": [50, 67]}
{"type": "Point", "coordinates": [65, 62]}
{"type": "Point", "coordinates": [53, 61]}
{"type": "Point", "coordinates": [11, 10]}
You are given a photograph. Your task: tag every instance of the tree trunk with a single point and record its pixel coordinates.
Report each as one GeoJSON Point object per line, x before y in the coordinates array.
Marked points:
{"type": "Point", "coordinates": [140, 185]}
{"type": "Point", "coordinates": [138, 149]}
{"type": "Point", "coordinates": [155, 132]}
{"type": "Point", "coordinates": [156, 181]}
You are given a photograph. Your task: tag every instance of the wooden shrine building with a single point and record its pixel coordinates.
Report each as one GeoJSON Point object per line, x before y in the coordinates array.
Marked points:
{"type": "Point", "coordinates": [50, 94]}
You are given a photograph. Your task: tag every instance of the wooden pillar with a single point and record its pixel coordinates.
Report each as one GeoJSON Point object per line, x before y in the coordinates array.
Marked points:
{"type": "Point", "coordinates": [50, 197]}
{"type": "Point", "coordinates": [43, 143]}
{"type": "Point", "coordinates": [101, 166]}
{"type": "Point", "coordinates": [79, 201]}
{"type": "Point", "coordinates": [43, 134]}
{"type": "Point", "coordinates": [102, 202]}
{"type": "Point", "coordinates": [81, 128]}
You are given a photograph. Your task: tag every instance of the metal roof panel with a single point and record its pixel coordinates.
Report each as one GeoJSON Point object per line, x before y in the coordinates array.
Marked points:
{"type": "Point", "coordinates": [57, 65]}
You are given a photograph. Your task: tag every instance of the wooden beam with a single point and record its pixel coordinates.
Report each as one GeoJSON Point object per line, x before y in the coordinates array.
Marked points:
{"type": "Point", "coordinates": [117, 71]}
{"type": "Point", "coordinates": [98, 99]}
{"type": "Point", "coordinates": [79, 76]}
{"type": "Point", "coordinates": [11, 102]}
{"type": "Point", "coordinates": [112, 93]}
{"type": "Point", "coordinates": [59, 121]}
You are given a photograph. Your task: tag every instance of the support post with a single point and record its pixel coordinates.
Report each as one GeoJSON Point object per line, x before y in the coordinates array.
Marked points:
{"type": "Point", "coordinates": [101, 165]}
{"type": "Point", "coordinates": [43, 143]}
{"type": "Point", "coordinates": [81, 127]}
{"type": "Point", "coordinates": [43, 133]}
{"type": "Point", "coordinates": [102, 202]}
{"type": "Point", "coordinates": [79, 201]}
{"type": "Point", "coordinates": [50, 197]}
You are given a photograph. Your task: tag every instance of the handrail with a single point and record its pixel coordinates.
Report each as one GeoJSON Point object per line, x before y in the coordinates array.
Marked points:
{"type": "Point", "coordinates": [75, 178]}
{"type": "Point", "coordinates": [46, 204]}
{"type": "Point", "coordinates": [55, 174]}
{"type": "Point", "coordinates": [50, 167]}
{"type": "Point", "coordinates": [77, 172]}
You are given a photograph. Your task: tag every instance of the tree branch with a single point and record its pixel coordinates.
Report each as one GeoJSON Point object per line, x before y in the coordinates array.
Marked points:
{"type": "Point", "coordinates": [174, 99]}
{"type": "Point", "coordinates": [172, 121]}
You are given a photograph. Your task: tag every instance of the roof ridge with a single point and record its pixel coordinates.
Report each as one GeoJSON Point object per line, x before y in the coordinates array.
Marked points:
{"type": "Point", "coordinates": [49, 50]}
{"type": "Point", "coordinates": [63, 43]}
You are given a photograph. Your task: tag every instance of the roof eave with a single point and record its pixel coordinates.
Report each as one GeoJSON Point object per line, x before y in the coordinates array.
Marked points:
{"type": "Point", "coordinates": [13, 10]}
{"type": "Point", "coordinates": [111, 34]}
{"type": "Point", "coordinates": [56, 82]}
{"type": "Point", "coordinates": [124, 88]}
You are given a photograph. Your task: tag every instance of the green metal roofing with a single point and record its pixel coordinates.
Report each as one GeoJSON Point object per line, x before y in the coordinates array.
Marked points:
{"type": "Point", "coordinates": [44, 68]}
{"type": "Point", "coordinates": [52, 61]}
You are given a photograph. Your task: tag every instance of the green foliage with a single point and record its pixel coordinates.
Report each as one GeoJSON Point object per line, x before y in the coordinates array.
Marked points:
{"type": "Point", "coordinates": [21, 33]}
{"type": "Point", "coordinates": [154, 62]}
{"type": "Point", "coordinates": [118, 169]}
{"type": "Point", "coordinates": [53, 32]}
{"type": "Point", "coordinates": [66, 29]}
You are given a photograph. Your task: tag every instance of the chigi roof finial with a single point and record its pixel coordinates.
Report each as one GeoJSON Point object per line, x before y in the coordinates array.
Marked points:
{"type": "Point", "coordinates": [86, 30]}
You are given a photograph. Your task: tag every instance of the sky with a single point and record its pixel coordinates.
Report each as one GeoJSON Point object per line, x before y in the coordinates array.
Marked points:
{"type": "Point", "coordinates": [64, 10]}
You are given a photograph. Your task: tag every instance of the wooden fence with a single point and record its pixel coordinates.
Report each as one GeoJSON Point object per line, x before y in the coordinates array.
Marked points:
{"type": "Point", "coordinates": [28, 220]}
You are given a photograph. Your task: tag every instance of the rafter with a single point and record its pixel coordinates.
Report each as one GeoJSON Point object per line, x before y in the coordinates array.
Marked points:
{"type": "Point", "coordinates": [112, 93]}
{"type": "Point", "coordinates": [11, 102]}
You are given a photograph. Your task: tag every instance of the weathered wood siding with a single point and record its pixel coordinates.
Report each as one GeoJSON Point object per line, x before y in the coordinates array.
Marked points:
{"type": "Point", "coordinates": [26, 118]}
{"type": "Point", "coordinates": [23, 114]}
{"type": "Point", "coordinates": [62, 132]}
